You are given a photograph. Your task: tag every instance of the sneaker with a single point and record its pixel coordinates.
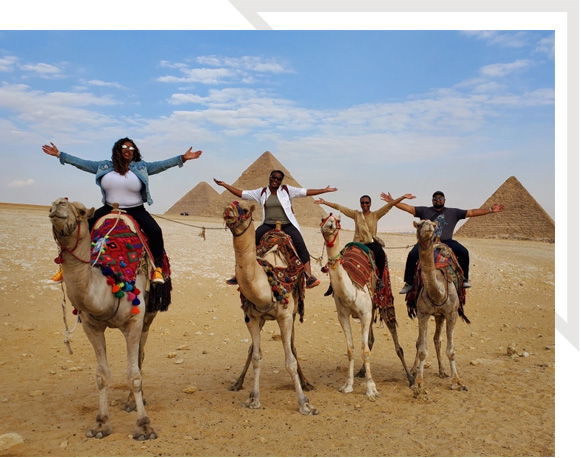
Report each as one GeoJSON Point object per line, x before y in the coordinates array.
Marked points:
{"type": "Point", "coordinates": [329, 291]}
{"type": "Point", "coordinates": [157, 276]}
{"type": "Point", "coordinates": [466, 284]}
{"type": "Point", "coordinates": [58, 277]}
{"type": "Point", "coordinates": [232, 281]}
{"type": "Point", "coordinates": [406, 289]}
{"type": "Point", "coordinates": [312, 282]}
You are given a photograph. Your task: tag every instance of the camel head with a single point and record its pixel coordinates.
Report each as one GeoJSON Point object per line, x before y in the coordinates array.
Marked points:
{"type": "Point", "coordinates": [330, 226]}
{"type": "Point", "coordinates": [236, 213]}
{"type": "Point", "coordinates": [425, 231]}
{"type": "Point", "coordinates": [67, 216]}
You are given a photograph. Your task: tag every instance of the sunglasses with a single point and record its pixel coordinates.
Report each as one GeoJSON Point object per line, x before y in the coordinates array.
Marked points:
{"type": "Point", "coordinates": [274, 177]}
{"type": "Point", "coordinates": [365, 203]}
{"type": "Point", "coordinates": [128, 147]}
{"type": "Point", "coordinates": [439, 199]}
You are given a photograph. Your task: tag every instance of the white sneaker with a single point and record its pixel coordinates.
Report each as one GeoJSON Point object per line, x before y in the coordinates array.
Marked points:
{"type": "Point", "coordinates": [406, 289]}
{"type": "Point", "coordinates": [466, 284]}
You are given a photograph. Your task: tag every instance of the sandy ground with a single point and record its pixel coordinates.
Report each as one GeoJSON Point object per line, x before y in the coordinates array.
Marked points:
{"type": "Point", "coordinates": [197, 348]}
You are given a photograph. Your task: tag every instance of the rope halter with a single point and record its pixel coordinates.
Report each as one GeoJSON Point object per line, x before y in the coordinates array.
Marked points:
{"type": "Point", "coordinates": [235, 216]}
{"type": "Point", "coordinates": [71, 229]}
{"type": "Point", "coordinates": [334, 228]}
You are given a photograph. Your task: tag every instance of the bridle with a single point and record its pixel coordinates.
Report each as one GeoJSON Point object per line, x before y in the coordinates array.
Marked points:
{"type": "Point", "coordinates": [337, 225]}
{"type": "Point", "coordinates": [63, 249]}
{"type": "Point", "coordinates": [424, 245]}
{"type": "Point", "coordinates": [240, 218]}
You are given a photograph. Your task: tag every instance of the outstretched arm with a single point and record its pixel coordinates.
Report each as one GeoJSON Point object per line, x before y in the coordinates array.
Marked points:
{"type": "Point", "coordinates": [397, 202]}
{"type": "Point", "coordinates": [316, 192]}
{"type": "Point", "coordinates": [237, 192]}
{"type": "Point", "coordinates": [346, 211]}
{"type": "Point", "coordinates": [496, 208]}
{"type": "Point", "coordinates": [189, 154]}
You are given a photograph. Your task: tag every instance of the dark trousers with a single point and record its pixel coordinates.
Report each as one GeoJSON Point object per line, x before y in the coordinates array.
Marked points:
{"type": "Point", "coordinates": [459, 250]}
{"type": "Point", "coordinates": [294, 234]}
{"type": "Point", "coordinates": [148, 225]}
{"type": "Point", "coordinates": [379, 256]}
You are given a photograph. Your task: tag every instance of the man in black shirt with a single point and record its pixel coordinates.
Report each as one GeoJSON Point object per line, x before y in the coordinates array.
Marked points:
{"type": "Point", "coordinates": [446, 218]}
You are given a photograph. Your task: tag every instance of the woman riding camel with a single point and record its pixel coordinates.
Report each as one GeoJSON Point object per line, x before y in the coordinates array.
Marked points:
{"type": "Point", "coordinates": [276, 200]}
{"type": "Point", "coordinates": [366, 228]}
{"type": "Point", "coordinates": [124, 180]}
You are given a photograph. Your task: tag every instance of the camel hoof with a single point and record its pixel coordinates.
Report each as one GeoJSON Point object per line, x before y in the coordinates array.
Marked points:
{"type": "Point", "coordinates": [140, 437]}
{"type": "Point", "coordinates": [251, 404]}
{"type": "Point", "coordinates": [308, 409]}
{"type": "Point", "coordinates": [458, 387]}
{"type": "Point", "coordinates": [235, 387]}
{"type": "Point", "coordinates": [346, 389]}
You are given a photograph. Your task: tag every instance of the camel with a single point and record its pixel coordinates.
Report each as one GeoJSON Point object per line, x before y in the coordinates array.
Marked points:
{"type": "Point", "coordinates": [437, 297]}
{"type": "Point", "coordinates": [99, 309]}
{"type": "Point", "coordinates": [352, 300]}
{"type": "Point", "coordinates": [260, 306]}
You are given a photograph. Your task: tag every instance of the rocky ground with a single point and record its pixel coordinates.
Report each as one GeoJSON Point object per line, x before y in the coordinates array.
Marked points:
{"type": "Point", "coordinates": [195, 351]}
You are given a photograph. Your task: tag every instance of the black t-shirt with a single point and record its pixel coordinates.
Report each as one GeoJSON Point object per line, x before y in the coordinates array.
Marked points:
{"type": "Point", "coordinates": [446, 218]}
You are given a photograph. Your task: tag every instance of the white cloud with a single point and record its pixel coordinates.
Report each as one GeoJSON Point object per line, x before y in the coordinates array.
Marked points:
{"type": "Point", "coordinates": [41, 69]}
{"type": "Point", "coordinates": [518, 39]}
{"type": "Point", "coordinates": [546, 46]}
{"type": "Point", "coordinates": [104, 84]}
{"type": "Point", "coordinates": [7, 63]}
{"type": "Point", "coordinates": [21, 183]}
{"type": "Point", "coordinates": [502, 69]}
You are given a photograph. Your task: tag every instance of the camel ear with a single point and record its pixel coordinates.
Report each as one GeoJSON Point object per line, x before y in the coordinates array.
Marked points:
{"type": "Point", "coordinates": [416, 224]}
{"type": "Point", "coordinates": [252, 208]}
{"type": "Point", "coordinates": [90, 212]}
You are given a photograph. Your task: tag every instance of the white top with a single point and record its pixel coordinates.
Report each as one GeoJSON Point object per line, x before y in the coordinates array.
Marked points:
{"type": "Point", "coordinates": [124, 190]}
{"type": "Point", "coordinates": [285, 200]}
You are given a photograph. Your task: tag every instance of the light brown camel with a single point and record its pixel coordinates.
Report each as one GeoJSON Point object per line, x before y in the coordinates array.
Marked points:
{"type": "Point", "coordinates": [438, 298]}
{"type": "Point", "coordinates": [99, 309]}
{"type": "Point", "coordinates": [353, 301]}
{"type": "Point", "coordinates": [261, 306]}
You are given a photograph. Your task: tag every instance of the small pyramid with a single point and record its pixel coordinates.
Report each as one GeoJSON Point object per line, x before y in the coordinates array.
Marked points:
{"type": "Point", "coordinates": [256, 176]}
{"type": "Point", "coordinates": [195, 201]}
{"type": "Point", "coordinates": [522, 219]}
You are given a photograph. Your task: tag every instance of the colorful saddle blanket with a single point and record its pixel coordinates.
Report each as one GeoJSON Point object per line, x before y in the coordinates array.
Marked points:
{"type": "Point", "coordinates": [444, 260]}
{"type": "Point", "coordinates": [283, 280]}
{"type": "Point", "coordinates": [119, 249]}
{"type": "Point", "coordinates": [359, 263]}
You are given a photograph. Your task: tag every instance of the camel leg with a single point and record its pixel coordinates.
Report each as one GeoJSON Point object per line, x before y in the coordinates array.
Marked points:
{"type": "Point", "coordinates": [371, 391]}
{"type": "Point", "coordinates": [346, 325]}
{"type": "Point", "coordinates": [399, 351]}
{"type": "Point", "coordinates": [438, 345]}
{"type": "Point", "coordinates": [239, 383]}
{"type": "Point", "coordinates": [450, 352]}
{"type": "Point", "coordinates": [422, 353]}
{"type": "Point", "coordinates": [286, 329]}
{"type": "Point", "coordinates": [133, 338]}
{"type": "Point", "coordinates": [130, 405]}
{"type": "Point", "coordinates": [101, 428]}
{"type": "Point", "coordinates": [371, 341]}
{"type": "Point", "coordinates": [306, 386]}
{"type": "Point", "coordinates": [253, 401]}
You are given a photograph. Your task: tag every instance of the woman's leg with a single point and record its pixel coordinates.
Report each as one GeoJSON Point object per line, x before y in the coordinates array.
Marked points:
{"type": "Point", "coordinates": [152, 230]}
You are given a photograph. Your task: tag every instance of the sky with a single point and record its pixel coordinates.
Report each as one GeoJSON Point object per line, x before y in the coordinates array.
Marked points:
{"type": "Point", "coordinates": [364, 111]}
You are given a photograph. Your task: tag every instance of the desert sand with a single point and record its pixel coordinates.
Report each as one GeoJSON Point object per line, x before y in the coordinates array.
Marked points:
{"type": "Point", "coordinates": [197, 348]}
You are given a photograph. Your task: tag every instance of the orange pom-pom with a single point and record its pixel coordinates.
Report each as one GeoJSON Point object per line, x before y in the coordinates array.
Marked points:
{"type": "Point", "coordinates": [115, 288]}
{"type": "Point", "coordinates": [135, 310]}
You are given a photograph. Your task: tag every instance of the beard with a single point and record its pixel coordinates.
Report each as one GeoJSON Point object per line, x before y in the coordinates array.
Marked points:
{"type": "Point", "coordinates": [438, 206]}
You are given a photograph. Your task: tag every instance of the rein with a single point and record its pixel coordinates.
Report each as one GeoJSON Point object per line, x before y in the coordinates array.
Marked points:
{"type": "Point", "coordinates": [59, 259]}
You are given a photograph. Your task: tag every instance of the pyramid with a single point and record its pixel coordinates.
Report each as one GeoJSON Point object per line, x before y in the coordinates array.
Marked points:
{"type": "Point", "coordinates": [522, 219]}
{"type": "Point", "coordinates": [195, 201]}
{"type": "Point", "coordinates": [255, 176]}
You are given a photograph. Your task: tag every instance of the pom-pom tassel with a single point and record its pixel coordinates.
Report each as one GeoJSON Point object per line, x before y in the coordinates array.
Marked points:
{"type": "Point", "coordinates": [135, 310]}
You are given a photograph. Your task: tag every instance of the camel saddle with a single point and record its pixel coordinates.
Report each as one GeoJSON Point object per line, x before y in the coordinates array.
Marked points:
{"type": "Point", "coordinates": [445, 261]}
{"type": "Point", "coordinates": [285, 270]}
{"type": "Point", "coordinates": [359, 263]}
{"type": "Point", "coordinates": [120, 249]}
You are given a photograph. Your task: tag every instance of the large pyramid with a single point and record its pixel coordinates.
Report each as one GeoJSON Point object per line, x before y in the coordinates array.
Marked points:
{"type": "Point", "coordinates": [522, 219]}
{"type": "Point", "coordinates": [255, 176]}
{"type": "Point", "coordinates": [196, 201]}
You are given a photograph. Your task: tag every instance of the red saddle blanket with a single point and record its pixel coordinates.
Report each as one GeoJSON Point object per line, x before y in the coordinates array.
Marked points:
{"type": "Point", "coordinates": [359, 263]}
{"type": "Point", "coordinates": [119, 247]}
{"type": "Point", "coordinates": [284, 281]}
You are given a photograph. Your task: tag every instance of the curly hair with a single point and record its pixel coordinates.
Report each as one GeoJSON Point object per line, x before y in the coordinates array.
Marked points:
{"type": "Point", "coordinates": [119, 164]}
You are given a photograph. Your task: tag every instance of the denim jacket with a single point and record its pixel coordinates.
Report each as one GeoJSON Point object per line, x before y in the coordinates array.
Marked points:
{"type": "Point", "coordinates": [141, 169]}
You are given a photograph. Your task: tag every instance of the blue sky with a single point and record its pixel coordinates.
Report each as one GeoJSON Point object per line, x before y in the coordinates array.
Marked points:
{"type": "Point", "coordinates": [364, 111]}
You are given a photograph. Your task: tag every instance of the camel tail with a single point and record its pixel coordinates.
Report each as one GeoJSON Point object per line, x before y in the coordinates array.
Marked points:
{"type": "Point", "coordinates": [159, 297]}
